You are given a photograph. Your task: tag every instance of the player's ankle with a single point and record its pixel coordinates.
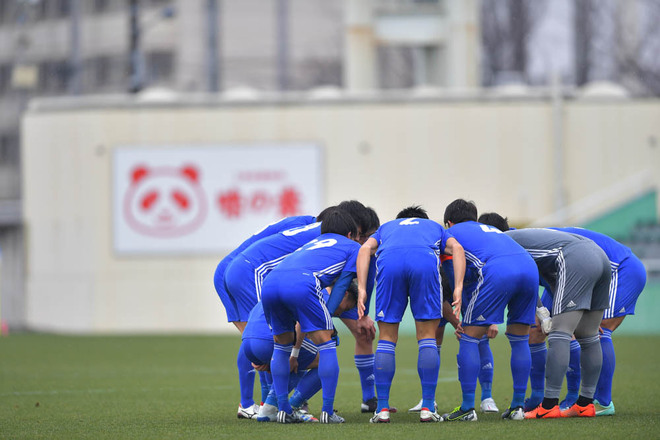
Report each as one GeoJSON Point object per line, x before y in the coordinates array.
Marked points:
{"type": "Point", "coordinates": [549, 403]}
{"type": "Point", "coordinates": [584, 401]}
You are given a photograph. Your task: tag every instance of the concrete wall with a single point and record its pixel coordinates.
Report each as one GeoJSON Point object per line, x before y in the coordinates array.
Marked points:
{"type": "Point", "coordinates": [386, 154]}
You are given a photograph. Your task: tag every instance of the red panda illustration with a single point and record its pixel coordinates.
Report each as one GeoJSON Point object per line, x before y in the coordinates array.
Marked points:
{"type": "Point", "coordinates": [165, 201]}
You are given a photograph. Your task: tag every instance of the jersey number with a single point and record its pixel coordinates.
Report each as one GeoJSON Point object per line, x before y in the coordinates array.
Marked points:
{"type": "Point", "coordinates": [323, 243]}
{"type": "Point", "coordinates": [294, 231]}
{"type": "Point", "coordinates": [487, 228]}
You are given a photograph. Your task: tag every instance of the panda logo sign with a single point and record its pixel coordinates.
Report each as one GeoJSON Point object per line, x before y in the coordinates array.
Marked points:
{"type": "Point", "coordinates": [164, 201]}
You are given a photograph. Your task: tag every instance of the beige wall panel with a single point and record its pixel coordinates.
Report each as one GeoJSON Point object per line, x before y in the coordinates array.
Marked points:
{"type": "Point", "coordinates": [388, 155]}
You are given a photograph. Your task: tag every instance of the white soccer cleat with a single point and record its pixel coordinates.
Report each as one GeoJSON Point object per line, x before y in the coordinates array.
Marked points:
{"type": "Point", "coordinates": [331, 418]}
{"type": "Point", "coordinates": [418, 407]}
{"type": "Point", "coordinates": [247, 413]}
{"type": "Point", "coordinates": [294, 417]}
{"type": "Point", "coordinates": [267, 413]}
{"type": "Point", "coordinates": [425, 416]}
{"type": "Point", "coordinates": [488, 406]}
{"type": "Point", "coordinates": [381, 417]}
{"type": "Point", "coordinates": [516, 413]}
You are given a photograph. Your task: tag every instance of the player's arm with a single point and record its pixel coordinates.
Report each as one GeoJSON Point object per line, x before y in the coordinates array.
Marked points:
{"type": "Point", "coordinates": [363, 259]}
{"type": "Point", "coordinates": [454, 248]}
{"type": "Point", "coordinates": [448, 314]}
{"type": "Point", "coordinates": [293, 359]}
{"type": "Point", "coordinates": [339, 290]}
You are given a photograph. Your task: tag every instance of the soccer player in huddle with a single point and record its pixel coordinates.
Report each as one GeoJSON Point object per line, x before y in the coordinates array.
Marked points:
{"type": "Point", "coordinates": [257, 342]}
{"type": "Point", "coordinates": [407, 251]}
{"type": "Point", "coordinates": [293, 292]}
{"type": "Point", "coordinates": [485, 354]}
{"type": "Point", "coordinates": [363, 329]}
{"type": "Point", "coordinates": [628, 281]}
{"type": "Point", "coordinates": [578, 274]}
{"type": "Point", "coordinates": [238, 309]}
{"type": "Point", "coordinates": [502, 275]}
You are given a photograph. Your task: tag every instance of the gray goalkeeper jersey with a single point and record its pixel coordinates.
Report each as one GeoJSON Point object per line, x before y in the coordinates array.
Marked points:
{"type": "Point", "coordinates": [577, 269]}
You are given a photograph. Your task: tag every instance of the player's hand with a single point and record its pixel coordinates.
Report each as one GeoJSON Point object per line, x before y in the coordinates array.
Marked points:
{"type": "Point", "coordinates": [263, 367]}
{"type": "Point", "coordinates": [543, 315]}
{"type": "Point", "coordinates": [293, 364]}
{"type": "Point", "coordinates": [362, 298]}
{"type": "Point", "coordinates": [459, 331]}
{"type": "Point", "coordinates": [366, 325]}
{"type": "Point", "coordinates": [492, 331]}
{"type": "Point", "coordinates": [456, 305]}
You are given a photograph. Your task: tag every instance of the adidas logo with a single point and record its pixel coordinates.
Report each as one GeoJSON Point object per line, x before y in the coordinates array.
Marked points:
{"type": "Point", "coordinates": [381, 314]}
{"type": "Point", "coordinates": [371, 377]}
{"type": "Point", "coordinates": [481, 318]}
{"type": "Point", "coordinates": [623, 310]}
{"type": "Point", "coordinates": [488, 366]}
{"type": "Point", "coordinates": [570, 304]}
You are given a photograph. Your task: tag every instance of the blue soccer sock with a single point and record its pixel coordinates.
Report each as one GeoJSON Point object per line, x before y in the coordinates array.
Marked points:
{"type": "Point", "coordinates": [468, 369]}
{"type": "Point", "coordinates": [384, 369]}
{"type": "Point", "coordinates": [486, 371]}
{"type": "Point", "coordinates": [271, 399]}
{"type": "Point", "coordinates": [328, 373]}
{"type": "Point", "coordinates": [604, 388]}
{"type": "Point", "coordinates": [294, 379]}
{"type": "Point", "coordinates": [428, 365]}
{"type": "Point", "coordinates": [539, 354]}
{"type": "Point", "coordinates": [265, 380]}
{"type": "Point", "coordinates": [245, 378]}
{"type": "Point", "coordinates": [309, 385]}
{"type": "Point", "coordinates": [521, 364]}
{"type": "Point", "coordinates": [365, 366]}
{"type": "Point", "coordinates": [279, 369]}
{"type": "Point", "coordinates": [573, 375]}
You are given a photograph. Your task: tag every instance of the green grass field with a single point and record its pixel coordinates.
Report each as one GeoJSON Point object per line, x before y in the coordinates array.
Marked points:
{"type": "Point", "coordinates": [185, 387]}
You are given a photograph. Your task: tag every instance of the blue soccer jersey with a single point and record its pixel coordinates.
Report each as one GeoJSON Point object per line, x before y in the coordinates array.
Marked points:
{"type": "Point", "coordinates": [293, 291]}
{"type": "Point", "coordinates": [500, 274]}
{"type": "Point", "coordinates": [628, 272]}
{"type": "Point", "coordinates": [408, 266]}
{"type": "Point", "coordinates": [245, 274]}
{"type": "Point", "coordinates": [411, 232]}
{"type": "Point", "coordinates": [219, 275]}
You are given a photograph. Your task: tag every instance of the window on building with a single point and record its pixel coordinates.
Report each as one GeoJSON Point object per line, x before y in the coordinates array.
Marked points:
{"type": "Point", "coordinates": [41, 10]}
{"type": "Point", "coordinates": [160, 66]}
{"type": "Point", "coordinates": [53, 76]}
{"type": "Point", "coordinates": [62, 8]}
{"type": "Point", "coordinates": [5, 78]}
{"type": "Point", "coordinates": [100, 6]}
{"type": "Point", "coordinates": [102, 70]}
{"type": "Point", "coordinates": [6, 11]}
{"type": "Point", "coordinates": [9, 148]}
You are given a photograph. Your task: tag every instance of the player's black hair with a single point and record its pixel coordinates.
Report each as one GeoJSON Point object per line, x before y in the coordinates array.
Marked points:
{"type": "Point", "coordinates": [322, 214]}
{"type": "Point", "coordinates": [358, 211]}
{"type": "Point", "coordinates": [374, 221]}
{"type": "Point", "coordinates": [413, 211]}
{"type": "Point", "coordinates": [460, 211]}
{"type": "Point", "coordinates": [338, 221]}
{"type": "Point", "coordinates": [353, 290]}
{"type": "Point", "coordinates": [494, 219]}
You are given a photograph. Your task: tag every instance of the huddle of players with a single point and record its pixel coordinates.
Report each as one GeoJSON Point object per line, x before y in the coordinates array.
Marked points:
{"type": "Point", "coordinates": [489, 268]}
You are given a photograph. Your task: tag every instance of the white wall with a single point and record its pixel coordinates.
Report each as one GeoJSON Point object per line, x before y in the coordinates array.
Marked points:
{"type": "Point", "coordinates": [387, 155]}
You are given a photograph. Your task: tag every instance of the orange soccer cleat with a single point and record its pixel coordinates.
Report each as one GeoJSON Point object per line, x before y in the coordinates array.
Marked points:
{"type": "Point", "coordinates": [580, 411]}
{"type": "Point", "coordinates": [541, 413]}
